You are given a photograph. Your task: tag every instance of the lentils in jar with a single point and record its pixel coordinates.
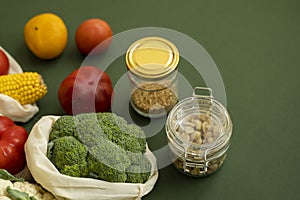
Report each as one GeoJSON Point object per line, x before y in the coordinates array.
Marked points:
{"type": "Point", "coordinates": [153, 98]}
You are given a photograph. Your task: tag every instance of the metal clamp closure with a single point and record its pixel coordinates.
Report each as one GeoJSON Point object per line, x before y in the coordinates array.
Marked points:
{"type": "Point", "coordinates": [203, 166]}
{"type": "Point", "coordinates": [197, 92]}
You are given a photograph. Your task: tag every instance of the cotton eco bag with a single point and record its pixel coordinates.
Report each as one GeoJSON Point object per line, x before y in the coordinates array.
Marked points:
{"type": "Point", "coordinates": [67, 187]}
{"type": "Point", "coordinates": [11, 108]}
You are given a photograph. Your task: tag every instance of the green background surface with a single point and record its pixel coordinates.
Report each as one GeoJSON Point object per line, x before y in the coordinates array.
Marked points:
{"type": "Point", "coordinates": [255, 45]}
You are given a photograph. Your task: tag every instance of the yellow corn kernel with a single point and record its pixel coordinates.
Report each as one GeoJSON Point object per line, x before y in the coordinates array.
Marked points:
{"type": "Point", "coordinates": [26, 88]}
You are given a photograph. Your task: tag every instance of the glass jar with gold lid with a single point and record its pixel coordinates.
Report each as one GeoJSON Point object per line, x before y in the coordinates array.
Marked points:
{"type": "Point", "coordinates": [152, 64]}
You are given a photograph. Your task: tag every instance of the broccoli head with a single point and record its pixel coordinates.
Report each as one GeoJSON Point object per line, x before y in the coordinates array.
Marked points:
{"type": "Point", "coordinates": [69, 156]}
{"type": "Point", "coordinates": [99, 145]}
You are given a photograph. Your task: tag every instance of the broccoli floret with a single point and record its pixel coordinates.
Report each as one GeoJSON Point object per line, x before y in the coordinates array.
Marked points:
{"type": "Point", "coordinates": [69, 156]}
{"type": "Point", "coordinates": [140, 168]}
{"type": "Point", "coordinates": [63, 126]}
{"type": "Point", "coordinates": [128, 136]}
{"type": "Point", "coordinates": [99, 146]}
{"type": "Point", "coordinates": [99, 170]}
{"type": "Point", "coordinates": [110, 155]}
{"type": "Point", "coordinates": [138, 133]}
{"type": "Point", "coordinates": [88, 129]}
{"type": "Point", "coordinates": [133, 174]}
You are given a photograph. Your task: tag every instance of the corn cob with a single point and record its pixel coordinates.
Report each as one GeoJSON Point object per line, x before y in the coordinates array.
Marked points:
{"type": "Point", "coordinates": [26, 88]}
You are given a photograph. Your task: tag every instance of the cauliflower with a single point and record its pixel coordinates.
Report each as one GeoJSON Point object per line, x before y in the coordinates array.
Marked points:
{"type": "Point", "coordinates": [3, 185]}
{"type": "Point", "coordinates": [4, 198]}
{"type": "Point", "coordinates": [13, 188]}
{"type": "Point", "coordinates": [11, 191]}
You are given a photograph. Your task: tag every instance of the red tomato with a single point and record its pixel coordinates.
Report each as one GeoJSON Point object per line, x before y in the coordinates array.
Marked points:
{"type": "Point", "coordinates": [92, 32]}
{"type": "Point", "coordinates": [87, 89]}
{"type": "Point", "coordinates": [12, 141]}
{"type": "Point", "coordinates": [4, 63]}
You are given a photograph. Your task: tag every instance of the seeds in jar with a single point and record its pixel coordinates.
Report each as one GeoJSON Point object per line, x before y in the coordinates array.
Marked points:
{"type": "Point", "coordinates": [201, 129]}
{"type": "Point", "coordinates": [153, 98]}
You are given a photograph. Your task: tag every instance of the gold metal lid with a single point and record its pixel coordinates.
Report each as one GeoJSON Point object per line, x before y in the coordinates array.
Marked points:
{"type": "Point", "coordinates": [152, 57]}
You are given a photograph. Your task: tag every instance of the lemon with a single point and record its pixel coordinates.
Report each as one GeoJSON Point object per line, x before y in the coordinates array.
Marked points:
{"type": "Point", "coordinates": [46, 35]}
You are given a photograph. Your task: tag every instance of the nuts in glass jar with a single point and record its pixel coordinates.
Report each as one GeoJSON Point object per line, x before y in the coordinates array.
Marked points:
{"type": "Point", "coordinates": [198, 129]}
{"type": "Point", "coordinates": [199, 169]}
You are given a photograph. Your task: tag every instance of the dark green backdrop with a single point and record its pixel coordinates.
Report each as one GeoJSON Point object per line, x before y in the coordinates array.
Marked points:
{"type": "Point", "coordinates": [255, 45]}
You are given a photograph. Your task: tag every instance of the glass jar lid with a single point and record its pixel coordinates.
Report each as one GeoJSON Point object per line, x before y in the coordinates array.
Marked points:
{"type": "Point", "coordinates": [152, 57]}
